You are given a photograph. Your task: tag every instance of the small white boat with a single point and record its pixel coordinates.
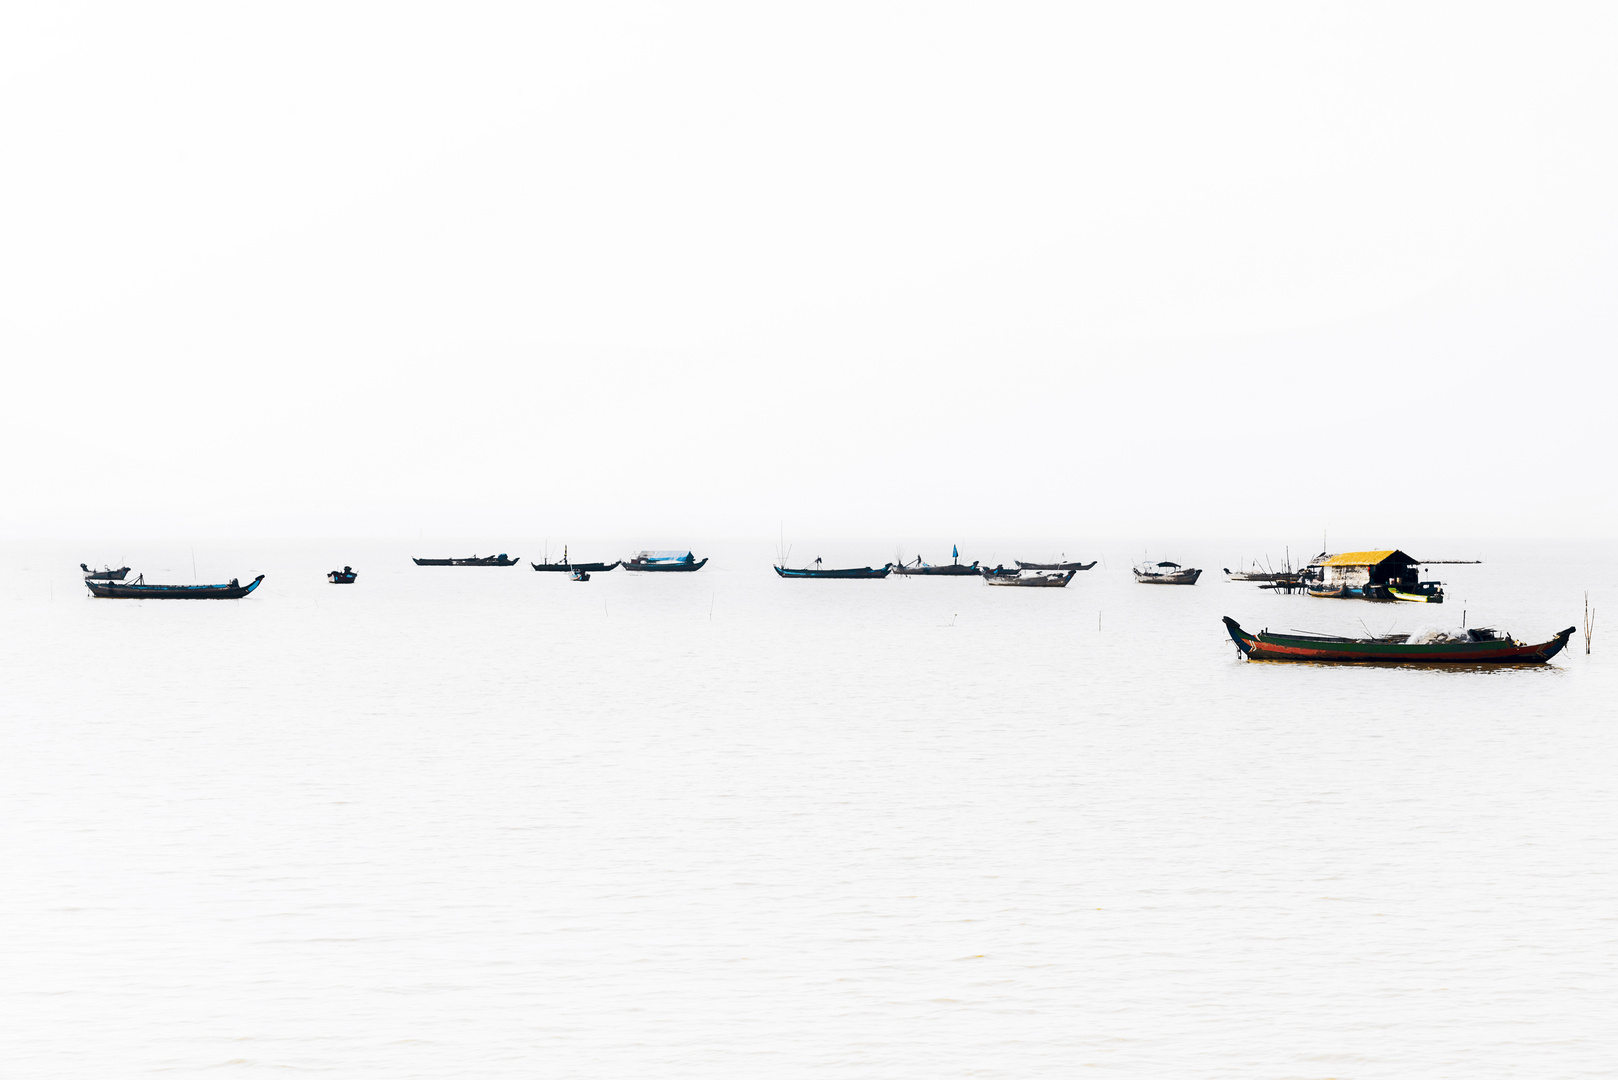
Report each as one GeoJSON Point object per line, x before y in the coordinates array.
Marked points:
{"type": "Point", "coordinates": [1165, 573]}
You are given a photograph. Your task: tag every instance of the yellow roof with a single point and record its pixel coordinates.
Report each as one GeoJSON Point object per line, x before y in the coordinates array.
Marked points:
{"type": "Point", "coordinates": [1362, 558]}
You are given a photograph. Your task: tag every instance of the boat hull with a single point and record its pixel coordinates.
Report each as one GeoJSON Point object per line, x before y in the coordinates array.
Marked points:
{"type": "Point", "coordinates": [1054, 565]}
{"type": "Point", "coordinates": [1267, 646]}
{"type": "Point", "coordinates": [1037, 580]}
{"type": "Point", "coordinates": [567, 568]}
{"type": "Point", "coordinates": [342, 579]}
{"type": "Point", "coordinates": [108, 574]}
{"type": "Point", "coordinates": [1426, 593]}
{"type": "Point", "coordinates": [1184, 577]}
{"type": "Point", "coordinates": [492, 560]}
{"type": "Point", "coordinates": [952, 570]}
{"type": "Point", "coordinates": [112, 590]}
{"type": "Point", "coordinates": [665, 568]}
{"type": "Point", "coordinates": [854, 573]}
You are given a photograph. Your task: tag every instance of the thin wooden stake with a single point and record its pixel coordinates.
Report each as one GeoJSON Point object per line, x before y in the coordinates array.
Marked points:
{"type": "Point", "coordinates": [1589, 624]}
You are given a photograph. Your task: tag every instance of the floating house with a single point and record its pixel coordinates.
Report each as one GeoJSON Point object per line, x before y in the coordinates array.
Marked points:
{"type": "Point", "coordinates": [1371, 575]}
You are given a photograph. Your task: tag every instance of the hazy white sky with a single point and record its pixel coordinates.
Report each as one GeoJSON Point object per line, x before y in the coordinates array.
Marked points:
{"type": "Point", "coordinates": [870, 269]}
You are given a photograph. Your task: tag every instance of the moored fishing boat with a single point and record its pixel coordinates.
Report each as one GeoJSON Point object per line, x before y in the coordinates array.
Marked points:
{"type": "Point", "coordinates": [139, 590]}
{"type": "Point", "coordinates": [1476, 646]}
{"type": "Point", "coordinates": [485, 560]}
{"type": "Point", "coordinates": [954, 569]}
{"type": "Point", "coordinates": [104, 574]}
{"type": "Point", "coordinates": [567, 565]}
{"type": "Point", "coordinates": [1165, 573]}
{"type": "Point", "coordinates": [852, 573]}
{"type": "Point", "coordinates": [1037, 579]}
{"type": "Point", "coordinates": [1257, 575]}
{"type": "Point", "coordinates": [664, 561]}
{"type": "Point", "coordinates": [1054, 565]}
{"type": "Point", "coordinates": [345, 576]}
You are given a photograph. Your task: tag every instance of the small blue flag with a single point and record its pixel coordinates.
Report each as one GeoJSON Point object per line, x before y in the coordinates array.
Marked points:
{"type": "Point", "coordinates": [954, 552]}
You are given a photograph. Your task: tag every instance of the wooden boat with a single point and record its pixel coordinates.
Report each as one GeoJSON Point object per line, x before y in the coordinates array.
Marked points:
{"type": "Point", "coordinates": [852, 573]}
{"type": "Point", "coordinates": [1425, 592]}
{"type": "Point", "coordinates": [665, 562]}
{"type": "Point", "coordinates": [106, 574]}
{"type": "Point", "coordinates": [1423, 595]}
{"type": "Point", "coordinates": [1054, 565]}
{"type": "Point", "coordinates": [1165, 573]}
{"type": "Point", "coordinates": [579, 574]}
{"type": "Point", "coordinates": [486, 560]}
{"type": "Point", "coordinates": [139, 590]}
{"type": "Point", "coordinates": [999, 571]}
{"type": "Point", "coordinates": [1038, 579]}
{"type": "Point", "coordinates": [921, 569]}
{"type": "Point", "coordinates": [345, 576]}
{"type": "Point", "coordinates": [1256, 575]}
{"type": "Point", "coordinates": [567, 567]}
{"type": "Point", "coordinates": [1480, 646]}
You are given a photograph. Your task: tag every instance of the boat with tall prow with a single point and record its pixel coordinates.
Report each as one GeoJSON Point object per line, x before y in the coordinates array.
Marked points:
{"type": "Point", "coordinates": [1475, 646]}
{"type": "Point", "coordinates": [139, 590]}
{"type": "Point", "coordinates": [850, 573]}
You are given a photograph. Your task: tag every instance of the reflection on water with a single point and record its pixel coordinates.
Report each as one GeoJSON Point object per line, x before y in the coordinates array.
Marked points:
{"type": "Point", "coordinates": [497, 823]}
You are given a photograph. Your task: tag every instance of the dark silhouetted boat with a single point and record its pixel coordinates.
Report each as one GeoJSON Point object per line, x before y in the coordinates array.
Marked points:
{"type": "Point", "coordinates": [486, 560]}
{"type": "Point", "coordinates": [664, 561]}
{"type": "Point", "coordinates": [848, 573]}
{"type": "Point", "coordinates": [345, 576]}
{"type": "Point", "coordinates": [105, 574]}
{"type": "Point", "coordinates": [1037, 579]}
{"type": "Point", "coordinates": [1165, 573]}
{"type": "Point", "coordinates": [1054, 565]}
{"type": "Point", "coordinates": [579, 573]}
{"type": "Point", "coordinates": [1477, 646]}
{"type": "Point", "coordinates": [139, 590]}
{"type": "Point", "coordinates": [567, 566]}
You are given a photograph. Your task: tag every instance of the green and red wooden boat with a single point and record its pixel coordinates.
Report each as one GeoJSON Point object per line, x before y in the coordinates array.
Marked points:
{"type": "Point", "coordinates": [139, 590]}
{"type": "Point", "coordinates": [1478, 646]}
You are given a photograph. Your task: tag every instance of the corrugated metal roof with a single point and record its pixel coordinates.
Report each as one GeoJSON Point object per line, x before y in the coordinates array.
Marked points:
{"type": "Point", "coordinates": [1363, 558]}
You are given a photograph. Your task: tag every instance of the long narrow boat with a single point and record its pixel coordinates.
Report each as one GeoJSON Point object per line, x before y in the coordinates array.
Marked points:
{"type": "Point", "coordinates": [1257, 575]}
{"type": "Point", "coordinates": [1478, 646]}
{"type": "Point", "coordinates": [921, 569]}
{"type": "Point", "coordinates": [139, 590]}
{"type": "Point", "coordinates": [486, 560]}
{"type": "Point", "coordinates": [107, 574]}
{"type": "Point", "coordinates": [1054, 565]}
{"type": "Point", "coordinates": [865, 573]}
{"type": "Point", "coordinates": [569, 567]}
{"type": "Point", "coordinates": [1039, 579]}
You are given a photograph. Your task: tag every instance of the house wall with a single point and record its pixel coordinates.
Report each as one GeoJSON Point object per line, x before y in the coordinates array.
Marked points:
{"type": "Point", "coordinates": [1353, 577]}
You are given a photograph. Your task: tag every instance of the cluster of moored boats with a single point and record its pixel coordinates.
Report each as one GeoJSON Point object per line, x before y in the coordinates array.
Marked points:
{"type": "Point", "coordinates": [1385, 575]}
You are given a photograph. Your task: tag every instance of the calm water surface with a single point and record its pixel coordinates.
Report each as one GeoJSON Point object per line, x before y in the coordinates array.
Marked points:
{"type": "Point", "coordinates": [487, 822]}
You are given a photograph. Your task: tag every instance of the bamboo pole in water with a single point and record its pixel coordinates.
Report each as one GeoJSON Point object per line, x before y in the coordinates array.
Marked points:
{"type": "Point", "coordinates": [1589, 624]}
